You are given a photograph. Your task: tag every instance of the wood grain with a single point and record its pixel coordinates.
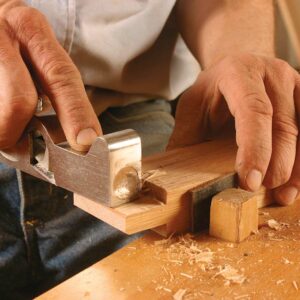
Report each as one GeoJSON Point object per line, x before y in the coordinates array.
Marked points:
{"type": "Point", "coordinates": [149, 269]}
{"type": "Point", "coordinates": [233, 215]}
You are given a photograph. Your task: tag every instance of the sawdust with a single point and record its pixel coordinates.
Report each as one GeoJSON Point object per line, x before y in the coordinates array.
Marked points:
{"type": "Point", "coordinates": [186, 249]}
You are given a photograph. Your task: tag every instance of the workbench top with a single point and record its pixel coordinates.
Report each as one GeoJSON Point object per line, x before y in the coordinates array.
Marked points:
{"type": "Point", "coordinates": [265, 266]}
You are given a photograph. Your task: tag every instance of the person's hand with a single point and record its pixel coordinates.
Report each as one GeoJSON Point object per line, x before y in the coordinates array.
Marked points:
{"type": "Point", "coordinates": [29, 55]}
{"type": "Point", "coordinates": [263, 96]}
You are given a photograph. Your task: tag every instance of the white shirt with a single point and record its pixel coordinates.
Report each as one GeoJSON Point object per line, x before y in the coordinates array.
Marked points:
{"type": "Point", "coordinates": [131, 48]}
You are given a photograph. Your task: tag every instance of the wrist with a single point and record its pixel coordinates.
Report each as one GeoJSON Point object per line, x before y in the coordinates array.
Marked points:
{"type": "Point", "coordinates": [215, 59]}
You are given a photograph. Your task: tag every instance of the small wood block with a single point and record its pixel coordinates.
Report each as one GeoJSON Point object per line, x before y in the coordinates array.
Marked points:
{"type": "Point", "coordinates": [233, 215]}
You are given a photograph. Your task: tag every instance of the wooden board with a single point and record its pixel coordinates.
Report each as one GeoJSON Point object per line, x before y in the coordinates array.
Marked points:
{"type": "Point", "coordinates": [201, 167]}
{"type": "Point", "coordinates": [147, 269]}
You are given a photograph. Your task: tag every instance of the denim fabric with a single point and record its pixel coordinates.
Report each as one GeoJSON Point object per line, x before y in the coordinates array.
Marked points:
{"type": "Point", "coordinates": [44, 239]}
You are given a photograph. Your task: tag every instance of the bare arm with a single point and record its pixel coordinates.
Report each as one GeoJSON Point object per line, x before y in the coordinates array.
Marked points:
{"type": "Point", "coordinates": [216, 28]}
{"type": "Point", "coordinates": [242, 80]}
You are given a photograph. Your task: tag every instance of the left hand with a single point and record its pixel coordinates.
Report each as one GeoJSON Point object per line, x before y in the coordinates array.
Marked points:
{"type": "Point", "coordinates": [262, 95]}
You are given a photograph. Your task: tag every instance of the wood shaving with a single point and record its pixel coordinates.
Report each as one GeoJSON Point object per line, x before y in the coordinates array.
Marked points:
{"type": "Point", "coordinates": [286, 261]}
{"type": "Point", "coordinates": [186, 275]}
{"type": "Point", "coordinates": [263, 213]}
{"type": "Point", "coordinates": [180, 262]}
{"type": "Point", "coordinates": [179, 294]}
{"type": "Point", "coordinates": [280, 281]}
{"type": "Point", "coordinates": [246, 296]}
{"type": "Point", "coordinates": [161, 242]}
{"type": "Point", "coordinates": [277, 240]}
{"type": "Point", "coordinates": [152, 173]}
{"type": "Point", "coordinates": [231, 275]}
{"type": "Point", "coordinates": [276, 225]}
{"type": "Point", "coordinates": [295, 285]}
{"type": "Point", "coordinates": [273, 224]}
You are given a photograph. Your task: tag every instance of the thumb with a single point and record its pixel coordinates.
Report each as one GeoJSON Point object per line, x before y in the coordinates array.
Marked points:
{"type": "Point", "coordinates": [200, 113]}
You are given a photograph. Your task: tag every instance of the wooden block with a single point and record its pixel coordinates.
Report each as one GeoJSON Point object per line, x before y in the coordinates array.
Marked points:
{"type": "Point", "coordinates": [233, 215]}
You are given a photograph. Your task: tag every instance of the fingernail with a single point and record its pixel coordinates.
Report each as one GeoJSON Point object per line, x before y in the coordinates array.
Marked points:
{"type": "Point", "coordinates": [254, 180]}
{"type": "Point", "coordinates": [287, 195]}
{"type": "Point", "coordinates": [86, 137]}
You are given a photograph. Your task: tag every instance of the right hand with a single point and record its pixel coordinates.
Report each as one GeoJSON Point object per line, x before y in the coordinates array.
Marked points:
{"type": "Point", "coordinates": [30, 53]}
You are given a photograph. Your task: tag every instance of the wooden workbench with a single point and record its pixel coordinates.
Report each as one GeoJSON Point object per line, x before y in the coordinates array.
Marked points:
{"type": "Point", "coordinates": [154, 268]}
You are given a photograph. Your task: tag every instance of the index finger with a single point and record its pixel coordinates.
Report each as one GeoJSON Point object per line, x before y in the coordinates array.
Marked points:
{"type": "Point", "coordinates": [58, 76]}
{"type": "Point", "coordinates": [251, 107]}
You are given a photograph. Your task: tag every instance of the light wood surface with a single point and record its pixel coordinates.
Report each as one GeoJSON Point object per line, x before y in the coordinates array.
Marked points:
{"type": "Point", "coordinates": [233, 215]}
{"type": "Point", "coordinates": [267, 264]}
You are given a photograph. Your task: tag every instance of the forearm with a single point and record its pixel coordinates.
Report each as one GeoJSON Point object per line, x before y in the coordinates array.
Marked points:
{"type": "Point", "coordinates": [216, 28]}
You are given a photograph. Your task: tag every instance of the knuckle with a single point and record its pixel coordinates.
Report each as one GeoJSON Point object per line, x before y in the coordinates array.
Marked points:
{"type": "Point", "coordinates": [76, 109]}
{"type": "Point", "coordinates": [281, 64]}
{"type": "Point", "coordinates": [29, 24]}
{"type": "Point", "coordinates": [281, 173]}
{"type": "Point", "coordinates": [61, 75]}
{"type": "Point", "coordinates": [285, 125]}
{"type": "Point", "coordinates": [282, 71]}
{"type": "Point", "coordinates": [256, 104]}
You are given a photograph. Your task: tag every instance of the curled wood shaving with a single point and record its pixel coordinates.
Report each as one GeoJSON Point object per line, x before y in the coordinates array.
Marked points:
{"type": "Point", "coordinates": [276, 225]}
{"type": "Point", "coordinates": [273, 224]}
{"type": "Point", "coordinates": [152, 173]}
{"type": "Point", "coordinates": [295, 285]}
{"type": "Point", "coordinates": [179, 294]}
{"type": "Point", "coordinates": [231, 275]}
